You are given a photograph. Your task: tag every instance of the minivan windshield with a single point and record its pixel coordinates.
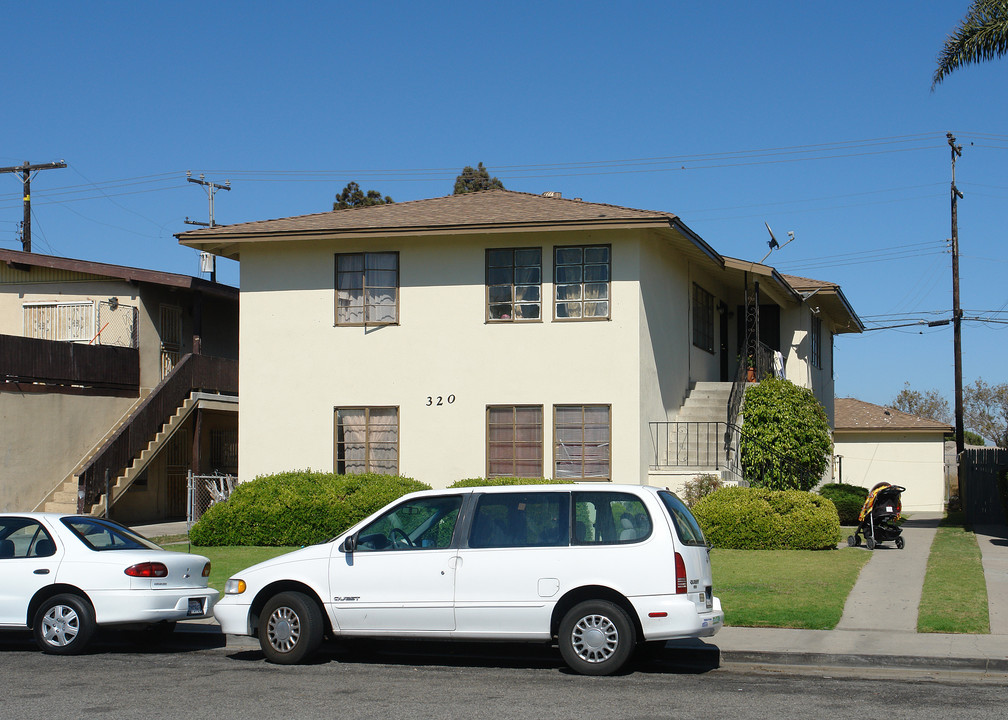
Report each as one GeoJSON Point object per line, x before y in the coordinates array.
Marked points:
{"type": "Point", "coordinates": [686, 526]}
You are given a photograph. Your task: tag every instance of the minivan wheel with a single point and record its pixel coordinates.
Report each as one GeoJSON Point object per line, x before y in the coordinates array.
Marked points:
{"type": "Point", "coordinates": [64, 625]}
{"type": "Point", "coordinates": [596, 638]}
{"type": "Point", "coordinates": [290, 628]}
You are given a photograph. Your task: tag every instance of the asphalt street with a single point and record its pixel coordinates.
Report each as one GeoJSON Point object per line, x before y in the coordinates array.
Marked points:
{"type": "Point", "coordinates": [196, 677]}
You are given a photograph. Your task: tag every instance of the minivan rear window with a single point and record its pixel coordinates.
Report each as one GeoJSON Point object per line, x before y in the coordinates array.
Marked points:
{"type": "Point", "coordinates": [686, 526]}
{"type": "Point", "coordinates": [609, 518]}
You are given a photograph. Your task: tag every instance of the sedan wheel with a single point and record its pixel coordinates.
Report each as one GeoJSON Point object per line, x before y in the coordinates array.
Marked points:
{"type": "Point", "coordinates": [290, 628]}
{"type": "Point", "coordinates": [596, 638]}
{"type": "Point", "coordinates": [64, 625]}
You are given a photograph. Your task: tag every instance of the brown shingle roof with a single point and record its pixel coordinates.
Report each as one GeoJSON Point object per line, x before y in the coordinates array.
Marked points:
{"type": "Point", "coordinates": [25, 261]}
{"type": "Point", "coordinates": [852, 414]}
{"type": "Point", "coordinates": [471, 210]}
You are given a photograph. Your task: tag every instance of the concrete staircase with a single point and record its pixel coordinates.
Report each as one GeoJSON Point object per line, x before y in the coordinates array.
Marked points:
{"type": "Point", "coordinates": [122, 483]}
{"type": "Point", "coordinates": [63, 498]}
{"type": "Point", "coordinates": [697, 442]}
{"type": "Point", "coordinates": [706, 402]}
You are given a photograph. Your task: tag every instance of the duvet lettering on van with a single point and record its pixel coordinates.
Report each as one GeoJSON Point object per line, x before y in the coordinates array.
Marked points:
{"type": "Point", "coordinates": [352, 598]}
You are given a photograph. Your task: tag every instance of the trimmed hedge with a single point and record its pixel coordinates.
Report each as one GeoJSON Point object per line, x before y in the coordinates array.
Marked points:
{"type": "Point", "coordinates": [760, 519]}
{"type": "Point", "coordinates": [297, 508]}
{"type": "Point", "coordinates": [849, 499]}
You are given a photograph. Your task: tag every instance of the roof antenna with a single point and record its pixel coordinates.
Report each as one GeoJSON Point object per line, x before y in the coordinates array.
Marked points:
{"type": "Point", "coordinates": [772, 242]}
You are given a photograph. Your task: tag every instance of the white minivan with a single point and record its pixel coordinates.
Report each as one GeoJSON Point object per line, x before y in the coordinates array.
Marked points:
{"type": "Point", "coordinates": [597, 569]}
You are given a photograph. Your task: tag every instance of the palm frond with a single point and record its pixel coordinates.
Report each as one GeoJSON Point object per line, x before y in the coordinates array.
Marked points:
{"type": "Point", "coordinates": [982, 36]}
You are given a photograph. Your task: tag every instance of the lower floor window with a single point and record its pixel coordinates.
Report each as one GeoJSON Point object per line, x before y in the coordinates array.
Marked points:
{"type": "Point", "coordinates": [367, 440]}
{"type": "Point", "coordinates": [515, 441]}
{"type": "Point", "coordinates": [581, 441]}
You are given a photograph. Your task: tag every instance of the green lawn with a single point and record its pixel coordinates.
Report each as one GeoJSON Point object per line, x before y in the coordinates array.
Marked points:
{"type": "Point", "coordinates": [955, 592]}
{"type": "Point", "coordinates": [785, 588]}
{"type": "Point", "coordinates": [226, 561]}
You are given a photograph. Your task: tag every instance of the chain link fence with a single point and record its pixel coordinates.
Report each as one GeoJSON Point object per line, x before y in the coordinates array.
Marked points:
{"type": "Point", "coordinates": [204, 491]}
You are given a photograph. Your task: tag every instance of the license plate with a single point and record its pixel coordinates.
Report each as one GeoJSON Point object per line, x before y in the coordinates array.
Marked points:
{"type": "Point", "coordinates": [195, 606]}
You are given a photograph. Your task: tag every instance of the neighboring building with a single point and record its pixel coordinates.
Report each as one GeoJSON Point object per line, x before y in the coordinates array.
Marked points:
{"type": "Point", "coordinates": [82, 347]}
{"type": "Point", "coordinates": [876, 444]}
{"type": "Point", "coordinates": [504, 333]}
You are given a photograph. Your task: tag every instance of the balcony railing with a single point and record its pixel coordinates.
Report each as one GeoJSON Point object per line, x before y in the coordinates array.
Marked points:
{"type": "Point", "coordinates": [67, 364]}
{"type": "Point", "coordinates": [193, 373]}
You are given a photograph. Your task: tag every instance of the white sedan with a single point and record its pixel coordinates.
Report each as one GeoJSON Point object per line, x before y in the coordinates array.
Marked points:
{"type": "Point", "coordinates": [65, 575]}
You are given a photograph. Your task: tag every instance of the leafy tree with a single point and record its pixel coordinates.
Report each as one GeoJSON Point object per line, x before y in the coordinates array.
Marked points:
{"type": "Point", "coordinates": [786, 441]}
{"type": "Point", "coordinates": [472, 179]}
{"type": "Point", "coordinates": [985, 410]}
{"type": "Point", "coordinates": [972, 438]}
{"type": "Point", "coordinates": [353, 197]}
{"type": "Point", "coordinates": [928, 404]}
{"type": "Point", "coordinates": [981, 36]}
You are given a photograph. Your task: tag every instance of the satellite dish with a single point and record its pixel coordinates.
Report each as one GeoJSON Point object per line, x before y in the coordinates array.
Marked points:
{"type": "Point", "coordinates": [773, 241]}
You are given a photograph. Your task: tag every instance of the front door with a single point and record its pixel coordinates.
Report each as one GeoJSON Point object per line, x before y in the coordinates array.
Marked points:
{"type": "Point", "coordinates": [400, 577]}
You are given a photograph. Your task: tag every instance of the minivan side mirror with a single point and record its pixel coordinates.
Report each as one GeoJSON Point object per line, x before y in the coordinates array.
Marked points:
{"type": "Point", "coordinates": [349, 544]}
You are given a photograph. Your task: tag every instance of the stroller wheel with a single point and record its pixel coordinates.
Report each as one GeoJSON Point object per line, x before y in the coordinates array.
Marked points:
{"type": "Point", "coordinates": [900, 543]}
{"type": "Point", "coordinates": [870, 542]}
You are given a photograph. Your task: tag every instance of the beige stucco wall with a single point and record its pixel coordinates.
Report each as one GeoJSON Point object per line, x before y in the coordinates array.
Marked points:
{"type": "Point", "coordinates": [915, 461]}
{"type": "Point", "coordinates": [296, 366]}
{"type": "Point", "coordinates": [43, 436]}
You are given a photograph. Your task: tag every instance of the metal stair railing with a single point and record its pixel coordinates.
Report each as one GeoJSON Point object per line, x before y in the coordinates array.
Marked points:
{"type": "Point", "coordinates": [193, 373]}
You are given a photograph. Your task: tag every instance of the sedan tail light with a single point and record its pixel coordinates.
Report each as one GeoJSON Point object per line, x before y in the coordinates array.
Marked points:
{"type": "Point", "coordinates": [680, 575]}
{"type": "Point", "coordinates": [147, 569]}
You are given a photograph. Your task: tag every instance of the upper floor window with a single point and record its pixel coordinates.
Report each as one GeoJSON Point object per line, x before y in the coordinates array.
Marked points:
{"type": "Point", "coordinates": [581, 281]}
{"type": "Point", "coordinates": [65, 321]}
{"type": "Point", "coordinates": [703, 319]}
{"type": "Point", "coordinates": [816, 342]}
{"type": "Point", "coordinates": [367, 288]}
{"type": "Point", "coordinates": [514, 284]}
{"type": "Point", "coordinates": [367, 440]}
{"type": "Point", "coordinates": [515, 441]}
{"type": "Point", "coordinates": [581, 436]}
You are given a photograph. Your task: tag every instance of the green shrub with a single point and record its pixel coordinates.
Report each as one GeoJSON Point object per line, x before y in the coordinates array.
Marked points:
{"type": "Point", "coordinates": [849, 499]}
{"type": "Point", "coordinates": [496, 481]}
{"type": "Point", "coordinates": [297, 508]}
{"type": "Point", "coordinates": [786, 441]}
{"type": "Point", "coordinates": [762, 519]}
{"type": "Point", "coordinates": [700, 487]}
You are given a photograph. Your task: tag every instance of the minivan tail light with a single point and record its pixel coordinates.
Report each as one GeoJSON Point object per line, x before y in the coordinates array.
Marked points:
{"type": "Point", "coordinates": [206, 570]}
{"type": "Point", "coordinates": [147, 569]}
{"type": "Point", "coordinates": [680, 575]}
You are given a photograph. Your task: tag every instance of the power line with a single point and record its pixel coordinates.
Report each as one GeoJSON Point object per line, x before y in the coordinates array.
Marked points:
{"type": "Point", "coordinates": [26, 169]}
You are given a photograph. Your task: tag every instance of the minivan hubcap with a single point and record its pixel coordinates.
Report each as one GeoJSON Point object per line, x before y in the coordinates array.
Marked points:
{"type": "Point", "coordinates": [283, 629]}
{"type": "Point", "coordinates": [594, 638]}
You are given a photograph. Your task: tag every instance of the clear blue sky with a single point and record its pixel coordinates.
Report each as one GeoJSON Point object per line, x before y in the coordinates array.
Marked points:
{"type": "Point", "coordinates": [816, 118]}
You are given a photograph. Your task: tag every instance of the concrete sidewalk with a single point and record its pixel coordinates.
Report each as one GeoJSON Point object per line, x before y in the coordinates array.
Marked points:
{"type": "Point", "coordinates": [879, 623]}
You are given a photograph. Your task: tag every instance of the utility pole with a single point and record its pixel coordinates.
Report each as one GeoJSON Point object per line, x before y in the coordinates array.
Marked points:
{"type": "Point", "coordinates": [211, 189]}
{"type": "Point", "coordinates": [26, 170]}
{"type": "Point", "coordinates": [956, 309]}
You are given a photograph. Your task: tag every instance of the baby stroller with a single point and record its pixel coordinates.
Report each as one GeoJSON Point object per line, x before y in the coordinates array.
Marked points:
{"type": "Point", "coordinates": [878, 517]}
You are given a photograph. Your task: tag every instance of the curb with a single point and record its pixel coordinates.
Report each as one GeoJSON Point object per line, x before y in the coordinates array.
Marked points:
{"type": "Point", "coordinates": [905, 662]}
